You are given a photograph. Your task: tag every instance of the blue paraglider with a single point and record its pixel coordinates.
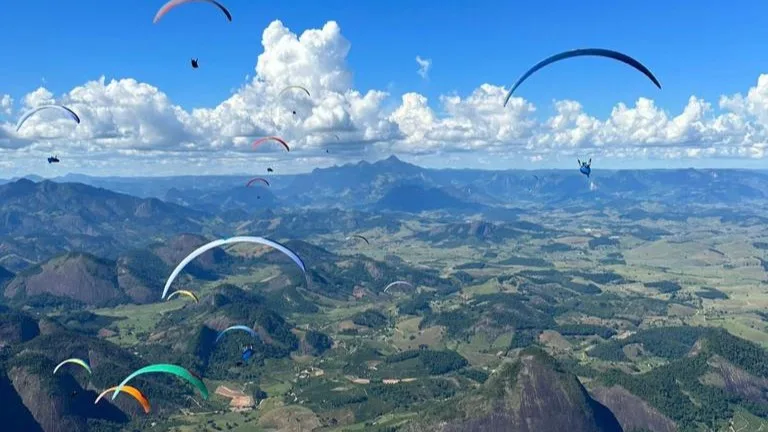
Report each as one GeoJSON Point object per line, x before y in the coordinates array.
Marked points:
{"type": "Point", "coordinates": [585, 167]}
{"type": "Point", "coordinates": [247, 353]}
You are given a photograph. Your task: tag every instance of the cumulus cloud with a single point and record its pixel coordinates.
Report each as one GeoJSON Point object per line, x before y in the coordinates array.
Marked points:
{"type": "Point", "coordinates": [6, 104]}
{"type": "Point", "coordinates": [125, 118]}
{"type": "Point", "coordinates": [424, 66]}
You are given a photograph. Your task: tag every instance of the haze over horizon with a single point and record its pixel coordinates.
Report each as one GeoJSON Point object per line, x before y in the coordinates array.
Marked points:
{"type": "Point", "coordinates": [341, 164]}
{"type": "Point", "coordinates": [428, 94]}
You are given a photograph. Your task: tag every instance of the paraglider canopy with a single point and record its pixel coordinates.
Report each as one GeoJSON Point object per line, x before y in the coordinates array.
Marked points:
{"type": "Point", "coordinates": [272, 138]}
{"type": "Point", "coordinates": [256, 179]}
{"type": "Point", "coordinates": [189, 294]}
{"type": "Point", "coordinates": [31, 112]}
{"type": "Point", "coordinates": [133, 391]}
{"type": "Point", "coordinates": [166, 368]}
{"type": "Point", "coordinates": [296, 88]}
{"type": "Point", "coordinates": [222, 242]}
{"type": "Point", "coordinates": [236, 327]}
{"type": "Point", "coordinates": [194, 63]}
{"type": "Point", "coordinates": [173, 3]}
{"type": "Point", "coordinates": [53, 159]}
{"type": "Point", "coordinates": [599, 52]}
{"type": "Point", "coordinates": [400, 282]}
{"type": "Point", "coordinates": [360, 237]}
{"type": "Point", "coordinates": [270, 170]}
{"type": "Point", "coordinates": [76, 361]}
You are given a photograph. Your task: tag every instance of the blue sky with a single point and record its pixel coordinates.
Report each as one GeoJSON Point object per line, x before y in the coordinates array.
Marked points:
{"type": "Point", "coordinates": [706, 49]}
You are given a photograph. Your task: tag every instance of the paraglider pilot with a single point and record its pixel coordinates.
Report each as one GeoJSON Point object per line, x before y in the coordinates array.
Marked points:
{"type": "Point", "coordinates": [194, 63]}
{"type": "Point", "coordinates": [247, 354]}
{"type": "Point", "coordinates": [585, 167]}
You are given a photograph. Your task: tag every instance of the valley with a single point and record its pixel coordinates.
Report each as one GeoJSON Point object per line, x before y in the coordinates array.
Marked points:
{"type": "Point", "coordinates": [642, 314]}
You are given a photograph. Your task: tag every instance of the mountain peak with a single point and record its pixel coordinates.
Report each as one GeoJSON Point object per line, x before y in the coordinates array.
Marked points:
{"type": "Point", "coordinates": [391, 160]}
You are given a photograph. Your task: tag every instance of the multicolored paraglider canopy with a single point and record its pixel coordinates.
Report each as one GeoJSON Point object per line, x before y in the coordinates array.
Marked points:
{"type": "Point", "coordinates": [271, 138]}
{"type": "Point", "coordinates": [173, 3]}
{"type": "Point", "coordinates": [189, 294]}
{"type": "Point", "coordinates": [133, 391]}
{"type": "Point", "coordinates": [76, 361]}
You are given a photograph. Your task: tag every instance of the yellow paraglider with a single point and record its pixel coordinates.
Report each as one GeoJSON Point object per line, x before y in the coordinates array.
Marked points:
{"type": "Point", "coordinates": [189, 294]}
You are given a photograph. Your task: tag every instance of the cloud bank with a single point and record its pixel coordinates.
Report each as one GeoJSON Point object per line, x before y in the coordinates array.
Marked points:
{"type": "Point", "coordinates": [127, 123]}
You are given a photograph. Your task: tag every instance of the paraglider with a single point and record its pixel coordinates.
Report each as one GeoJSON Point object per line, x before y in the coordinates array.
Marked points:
{"type": "Point", "coordinates": [247, 353]}
{"type": "Point", "coordinates": [270, 170]}
{"type": "Point", "coordinates": [584, 52]}
{"type": "Point", "coordinates": [189, 294]}
{"type": "Point", "coordinates": [400, 282]}
{"type": "Point", "coordinates": [585, 167]}
{"type": "Point", "coordinates": [360, 237]}
{"type": "Point", "coordinates": [194, 63]}
{"type": "Point", "coordinates": [76, 361]}
{"type": "Point", "coordinates": [236, 327]}
{"type": "Point", "coordinates": [294, 87]}
{"type": "Point", "coordinates": [133, 391]}
{"type": "Point", "coordinates": [255, 179]}
{"type": "Point", "coordinates": [221, 242]}
{"type": "Point", "coordinates": [29, 114]}
{"type": "Point", "coordinates": [271, 138]}
{"type": "Point", "coordinates": [173, 3]}
{"type": "Point", "coordinates": [53, 159]}
{"type": "Point", "coordinates": [535, 185]}
{"type": "Point", "coordinates": [166, 368]}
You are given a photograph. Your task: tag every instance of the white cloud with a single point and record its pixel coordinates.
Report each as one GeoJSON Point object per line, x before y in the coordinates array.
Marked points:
{"type": "Point", "coordinates": [424, 66]}
{"type": "Point", "coordinates": [6, 104]}
{"type": "Point", "coordinates": [123, 119]}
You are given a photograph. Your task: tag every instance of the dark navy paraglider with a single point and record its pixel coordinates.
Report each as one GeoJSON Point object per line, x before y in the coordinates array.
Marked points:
{"type": "Point", "coordinates": [53, 159]}
{"type": "Point", "coordinates": [194, 63]}
{"type": "Point", "coordinates": [586, 167]}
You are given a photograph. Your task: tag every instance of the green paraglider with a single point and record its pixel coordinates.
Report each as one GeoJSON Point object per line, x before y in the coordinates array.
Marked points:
{"type": "Point", "coordinates": [166, 368]}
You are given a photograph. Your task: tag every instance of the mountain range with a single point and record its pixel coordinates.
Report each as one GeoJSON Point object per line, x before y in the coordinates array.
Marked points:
{"type": "Point", "coordinates": [397, 185]}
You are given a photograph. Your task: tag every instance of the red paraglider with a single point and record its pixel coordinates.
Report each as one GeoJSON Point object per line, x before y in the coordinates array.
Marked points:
{"type": "Point", "coordinates": [271, 138]}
